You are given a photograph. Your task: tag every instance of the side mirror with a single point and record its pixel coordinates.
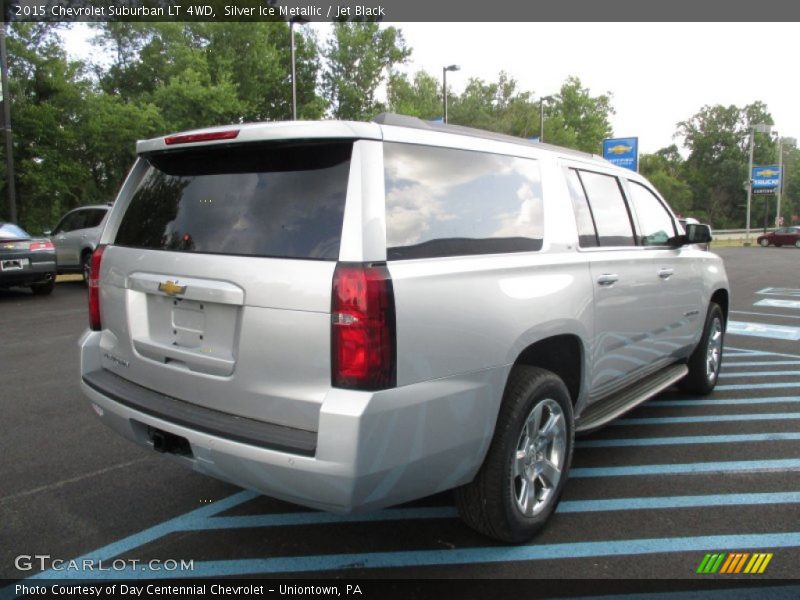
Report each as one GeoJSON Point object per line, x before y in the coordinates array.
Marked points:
{"type": "Point", "coordinates": [698, 234]}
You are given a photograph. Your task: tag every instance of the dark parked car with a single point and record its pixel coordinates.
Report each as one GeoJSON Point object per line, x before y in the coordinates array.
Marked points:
{"type": "Point", "coordinates": [26, 261]}
{"type": "Point", "coordinates": [75, 237]}
{"type": "Point", "coordinates": [783, 236]}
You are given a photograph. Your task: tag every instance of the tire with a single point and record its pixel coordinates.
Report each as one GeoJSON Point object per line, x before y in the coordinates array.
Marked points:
{"type": "Point", "coordinates": [43, 289]}
{"type": "Point", "coordinates": [86, 265]}
{"type": "Point", "coordinates": [497, 502]}
{"type": "Point", "coordinates": [764, 243]}
{"type": "Point", "coordinates": [797, 244]}
{"type": "Point", "coordinates": [705, 362]}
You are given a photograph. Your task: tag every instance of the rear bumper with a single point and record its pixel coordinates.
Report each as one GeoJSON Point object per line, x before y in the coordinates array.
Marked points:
{"type": "Point", "coordinates": [35, 272]}
{"type": "Point", "coordinates": [371, 449]}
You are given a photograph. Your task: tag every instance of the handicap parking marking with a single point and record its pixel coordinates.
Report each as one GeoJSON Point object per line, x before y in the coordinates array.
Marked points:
{"type": "Point", "coordinates": [775, 332]}
{"type": "Point", "coordinates": [775, 291]}
{"type": "Point", "coordinates": [779, 303]}
{"type": "Point", "coordinates": [213, 518]}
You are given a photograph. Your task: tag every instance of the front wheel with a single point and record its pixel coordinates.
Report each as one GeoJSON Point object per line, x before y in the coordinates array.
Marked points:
{"type": "Point", "coordinates": [705, 362]}
{"type": "Point", "coordinates": [797, 244]}
{"type": "Point", "coordinates": [764, 243]}
{"type": "Point", "coordinates": [519, 484]}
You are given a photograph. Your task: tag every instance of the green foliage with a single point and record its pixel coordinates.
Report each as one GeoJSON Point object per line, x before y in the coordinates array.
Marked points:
{"type": "Point", "coordinates": [717, 138]}
{"type": "Point", "coordinates": [421, 97]}
{"type": "Point", "coordinates": [359, 57]}
{"type": "Point", "coordinates": [75, 125]}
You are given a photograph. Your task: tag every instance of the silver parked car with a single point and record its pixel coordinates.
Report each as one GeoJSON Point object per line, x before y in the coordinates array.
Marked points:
{"type": "Point", "coordinates": [352, 315]}
{"type": "Point", "coordinates": [76, 236]}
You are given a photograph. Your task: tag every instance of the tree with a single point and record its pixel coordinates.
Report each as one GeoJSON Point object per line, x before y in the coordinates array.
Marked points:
{"type": "Point", "coordinates": [717, 138]}
{"type": "Point", "coordinates": [421, 97]}
{"type": "Point", "coordinates": [359, 57]}
{"type": "Point", "coordinates": [665, 170]}
{"type": "Point", "coordinates": [576, 119]}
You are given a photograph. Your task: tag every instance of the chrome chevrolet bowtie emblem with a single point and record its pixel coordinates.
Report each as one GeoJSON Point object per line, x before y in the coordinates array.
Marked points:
{"type": "Point", "coordinates": [171, 288]}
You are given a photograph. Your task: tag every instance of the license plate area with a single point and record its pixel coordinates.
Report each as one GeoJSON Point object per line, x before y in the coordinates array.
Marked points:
{"type": "Point", "coordinates": [14, 264]}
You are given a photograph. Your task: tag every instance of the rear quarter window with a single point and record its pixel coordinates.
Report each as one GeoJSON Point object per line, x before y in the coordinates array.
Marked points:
{"type": "Point", "coordinates": [449, 202]}
{"type": "Point", "coordinates": [272, 200]}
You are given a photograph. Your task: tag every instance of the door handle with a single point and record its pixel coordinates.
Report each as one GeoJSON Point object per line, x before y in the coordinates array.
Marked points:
{"type": "Point", "coordinates": [666, 273]}
{"type": "Point", "coordinates": [607, 279]}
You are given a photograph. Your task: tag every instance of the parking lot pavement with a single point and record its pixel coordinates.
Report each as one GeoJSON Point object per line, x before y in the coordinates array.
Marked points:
{"type": "Point", "coordinates": [648, 497]}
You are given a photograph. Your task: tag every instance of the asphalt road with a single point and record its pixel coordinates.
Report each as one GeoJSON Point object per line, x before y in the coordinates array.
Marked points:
{"type": "Point", "coordinates": [649, 496]}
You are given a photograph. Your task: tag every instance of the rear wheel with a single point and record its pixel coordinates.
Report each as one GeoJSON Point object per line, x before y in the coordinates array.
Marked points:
{"type": "Point", "coordinates": [797, 244]}
{"type": "Point", "coordinates": [706, 360]}
{"type": "Point", "coordinates": [764, 243]}
{"type": "Point", "coordinates": [520, 482]}
{"type": "Point", "coordinates": [43, 289]}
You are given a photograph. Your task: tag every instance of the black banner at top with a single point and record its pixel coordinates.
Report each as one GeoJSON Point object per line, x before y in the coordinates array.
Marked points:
{"type": "Point", "coordinates": [405, 10]}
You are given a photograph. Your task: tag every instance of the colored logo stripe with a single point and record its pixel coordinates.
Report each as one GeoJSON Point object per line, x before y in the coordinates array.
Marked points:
{"type": "Point", "coordinates": [734, 563]}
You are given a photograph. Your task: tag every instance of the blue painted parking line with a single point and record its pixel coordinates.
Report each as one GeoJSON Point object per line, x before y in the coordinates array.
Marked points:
{"type": "Point", "coordinates": [723, 401]}
{"type": "Point", "coordinates": [744, 353]}
{"type": "Point", "coordinates": [777, 291]}
{"type": "Point", "coordinates": [760, 374]}
{"type": "Point", "coordinates": [704, 419]}
{"type": "Point", "coordinates": [761, 363]}
{"type": "Point", "coordinates": [775, 332]}
{"type": "Point", "coordinates": [316, 518]}
{"type": "Point", "coordinates": [758, 386]}
{"type": "Point", "coordinates": [463, 556]}
{"type": "Point", "coordinates": [584, 506]}
{"type": "Point", "coordinates": [779, 303]}
{"type": "Point", "coordinates": [689, 439]}
{"type": "Point", "coordinates": [686, 468]}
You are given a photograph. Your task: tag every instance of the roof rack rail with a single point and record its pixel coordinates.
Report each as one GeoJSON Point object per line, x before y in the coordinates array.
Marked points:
{"type": "Point", "coordinates": [397, 120]}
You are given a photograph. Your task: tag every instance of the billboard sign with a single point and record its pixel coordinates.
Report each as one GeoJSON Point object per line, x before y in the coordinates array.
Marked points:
{"type": "Point", "coordinates": [623, 152]}
{"type": "Point", "coordinates": [766, 179]}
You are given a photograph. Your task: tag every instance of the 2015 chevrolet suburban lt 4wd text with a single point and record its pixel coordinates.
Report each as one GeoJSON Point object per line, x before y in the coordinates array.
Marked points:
{"type": "Point", "coordinates": [353, 315]}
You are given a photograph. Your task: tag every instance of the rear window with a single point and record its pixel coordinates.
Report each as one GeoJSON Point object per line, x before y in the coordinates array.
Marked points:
{"type": "Point", "coordinates": [9, 231]}
{"type": "Point", "coordinates": [275, 200]}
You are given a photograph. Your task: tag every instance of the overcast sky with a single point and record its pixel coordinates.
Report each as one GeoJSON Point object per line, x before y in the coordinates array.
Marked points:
{"type": "Point", "coordinates": [658, 73]}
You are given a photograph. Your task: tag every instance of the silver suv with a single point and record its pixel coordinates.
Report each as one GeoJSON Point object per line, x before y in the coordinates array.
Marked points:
{"type": "Point", "coordinates": [353, 315]}
{"type": "Point", "coordinates": [76, 236]}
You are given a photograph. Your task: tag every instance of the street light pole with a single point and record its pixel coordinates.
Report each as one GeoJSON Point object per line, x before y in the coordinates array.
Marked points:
{"type": "Point", "coordinates": [761, 128]}
{"type": "Point", "coordinates": [780, 182]}
{"type": "Point", "coordinates": [749, 187]}
{"type": "Point", "coordinates": [294, 73]}
{"type": "Point", "coordinates": [444, 86]}
{"type": "Point", "coordinates": [11, 187]}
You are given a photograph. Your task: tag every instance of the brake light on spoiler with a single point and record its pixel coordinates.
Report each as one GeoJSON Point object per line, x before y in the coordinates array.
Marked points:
{"type": "Point", "coordinates": [188, 138]}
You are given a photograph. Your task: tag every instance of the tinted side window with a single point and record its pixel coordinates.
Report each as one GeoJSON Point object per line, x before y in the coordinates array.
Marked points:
{"type": "Point", "coordinates": [655, 223]}
{"type": "Point", "coordinates": [94, 217]}
{"type": "Point", "coordinates": [608, 208]}
{"type": "Point", "coordinates": [587, 233]}
{"type": "Point", "coordinates": [446, 202]}
{"type": "Point", "coordinates": [72, 222]}
{"type": "Point", "coordinates": [280, 200]}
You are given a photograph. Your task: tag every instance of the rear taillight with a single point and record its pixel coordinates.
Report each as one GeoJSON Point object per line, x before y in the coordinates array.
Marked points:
{"type": "Point", "coordinates": [41, 246]}
{"type": "Point", "coordinates": [94, 289]}
{"type": "Point", "coordinates": [363, 345]}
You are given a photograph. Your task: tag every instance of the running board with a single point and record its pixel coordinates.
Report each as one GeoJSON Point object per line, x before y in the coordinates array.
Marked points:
{"type": "Point", "coordinates": [608, 409]}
